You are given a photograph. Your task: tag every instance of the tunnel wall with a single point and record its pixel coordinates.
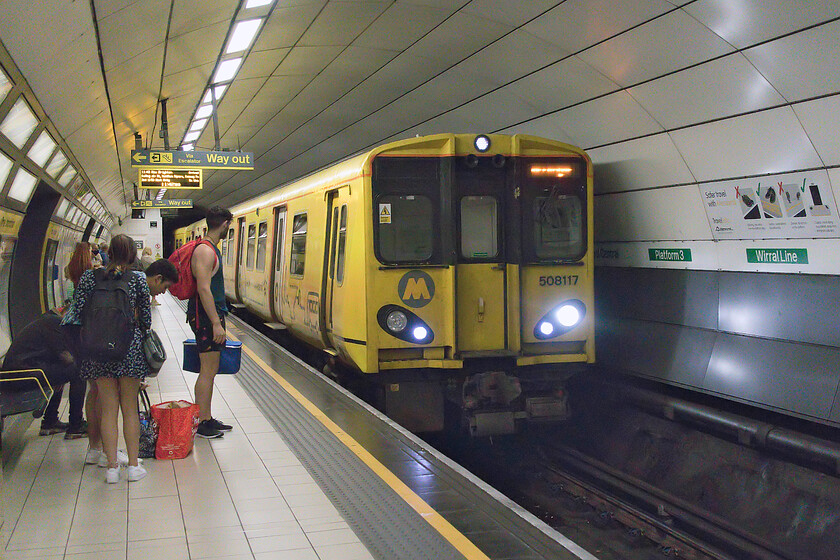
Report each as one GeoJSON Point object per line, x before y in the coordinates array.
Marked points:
{"type": "Point", "coordinates": [771, 340]}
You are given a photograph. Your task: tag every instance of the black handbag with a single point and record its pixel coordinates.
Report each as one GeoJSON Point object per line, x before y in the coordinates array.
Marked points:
{"type": "Point", "coordinates": [154, 352]}
{"type": "Point", "coordinates": [148, 428]}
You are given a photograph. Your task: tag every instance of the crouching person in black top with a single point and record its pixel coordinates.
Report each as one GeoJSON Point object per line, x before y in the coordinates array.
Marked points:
{"type": "Point", "coordinates": [43, 345]}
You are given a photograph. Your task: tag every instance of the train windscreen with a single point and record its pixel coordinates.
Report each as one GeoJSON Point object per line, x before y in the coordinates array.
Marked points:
{"type": "Point", "coordinates": [554, 209]}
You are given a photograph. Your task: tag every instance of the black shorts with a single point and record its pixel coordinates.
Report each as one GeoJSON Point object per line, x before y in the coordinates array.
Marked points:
{"type": "Point", "coordinates": [202, 327]}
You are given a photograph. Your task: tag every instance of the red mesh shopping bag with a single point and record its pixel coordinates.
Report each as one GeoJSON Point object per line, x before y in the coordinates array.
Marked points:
{"type": "Point", "coordinates": [177, 422]}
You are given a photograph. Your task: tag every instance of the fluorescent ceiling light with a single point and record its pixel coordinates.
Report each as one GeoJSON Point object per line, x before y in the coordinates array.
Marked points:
{"type": "Point", "coordinates": [5, 85]}
{"type": "Point", "coordinates": [256, 3]}
{"type": "Point", "coordinates": [57, 163]}
{"type": "Point", "coordinates": [187, 147]}
{"type": "Point", "coordinates": [19, 123]}
{"type": "Point", "coordinates": [220, 90]}
{"type": "Point", "coordinates": [42, 149]}
{"type": "Point", "coordinates": [243, 34]}
{"type": "Point", "coordinates": [198, 125]}
{"type": "Point", "coordinates": [5, 167]}
{"type": "Point", "coordinates": [192, 136]}
{"type": "Point", "coordinates": [227, 70]}
{"type": "Point", "coordinates": [23, 186]}
{"type": "Point", "coordinates": [204, 111]}
{"type": "Point", "coordinates": [67, 176]}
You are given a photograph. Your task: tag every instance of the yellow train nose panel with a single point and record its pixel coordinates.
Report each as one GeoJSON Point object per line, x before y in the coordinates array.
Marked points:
{"type": "Point", "coordinates": [481, 307]}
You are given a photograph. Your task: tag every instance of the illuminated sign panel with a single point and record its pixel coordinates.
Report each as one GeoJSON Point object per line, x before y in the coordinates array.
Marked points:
{"type": "Point", "coordinates": [169, 179]}
{"type": "Point", "coordinates": [192, 159]}
{"type": "Point", "coordinates": [164, 203]}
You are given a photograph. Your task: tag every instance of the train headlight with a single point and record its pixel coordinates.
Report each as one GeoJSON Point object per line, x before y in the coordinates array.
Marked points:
{"type": "Point", "coordinates": [482, 143]}
{"type": "Point", "coordinates": [396, 321]}
{"type": "Point", "coordinates": [560, 320]}
{"type": "Point", "coordinates": [567, 315]}
{"type": "Point", "coordinates": [401, 323]}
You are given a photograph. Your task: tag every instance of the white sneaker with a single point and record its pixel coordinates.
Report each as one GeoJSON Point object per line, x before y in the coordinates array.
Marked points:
{"type": "Point", "coordinates": [136, 473]}
{"type": "Point", "coordinates": [92, 457]}
{"type": "Point", "coordinates": [122, 458]}
{"type": "Point", "coordinates": [112, 476]}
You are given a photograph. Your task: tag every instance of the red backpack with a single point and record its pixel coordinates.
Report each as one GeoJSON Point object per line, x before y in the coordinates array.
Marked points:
{"type": "Point", "coordinates": [182, 259]}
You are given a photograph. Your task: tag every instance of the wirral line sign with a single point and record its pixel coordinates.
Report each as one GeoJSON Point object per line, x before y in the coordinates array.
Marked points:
{"type": "Point", "coordinates": [192, 159]}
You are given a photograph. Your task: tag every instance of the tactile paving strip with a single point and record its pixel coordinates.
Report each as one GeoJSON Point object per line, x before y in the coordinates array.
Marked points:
{"type": "Point", "coordinates": [385, 523]}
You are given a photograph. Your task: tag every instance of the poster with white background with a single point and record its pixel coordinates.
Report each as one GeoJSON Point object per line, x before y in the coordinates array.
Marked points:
{"type": "Point", "coordinates": [790, 206]}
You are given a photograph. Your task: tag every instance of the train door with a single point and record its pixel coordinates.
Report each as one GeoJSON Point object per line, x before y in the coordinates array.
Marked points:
{"type": "Point", "coordinates": [332, 313]}
{"type": "Point", "coordinates": [480, 270]}
{"type": "Point", "coordinates": [277, 268]}
{"type": "Point", "coordinates": [240, 264]}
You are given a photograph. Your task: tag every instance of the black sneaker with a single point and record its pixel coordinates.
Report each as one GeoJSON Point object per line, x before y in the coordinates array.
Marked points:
{"type": "Point", "coordinates": [219, 426]}
{"type": "Point", "coordinates": [77, 432]}
{"type": "Point", "coordinates": [207, 431]}
{"type": "Point", "coordinates": [50, 428]}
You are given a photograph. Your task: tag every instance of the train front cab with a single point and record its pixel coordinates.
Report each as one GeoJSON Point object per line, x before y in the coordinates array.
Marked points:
{"type": "Point", "coordinates": [481, 287]}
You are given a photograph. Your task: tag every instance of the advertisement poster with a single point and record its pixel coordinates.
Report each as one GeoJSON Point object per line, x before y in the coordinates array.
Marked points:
{"type": "Point", "coordinates": [792, 206]}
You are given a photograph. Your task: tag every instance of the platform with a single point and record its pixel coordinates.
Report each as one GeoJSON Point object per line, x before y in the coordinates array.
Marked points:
{"type": "Point", "coordinates": [308, 472]}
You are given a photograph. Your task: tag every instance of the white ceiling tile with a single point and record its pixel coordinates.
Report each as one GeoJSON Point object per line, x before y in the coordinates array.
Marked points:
{"type": "Point", "coordinates": [401, 25]}
{"type": "Point", "coordinates": [261, 64]}
{"type": "Point", "coordinates": [462, 34]}
{"type": "Point", "coordinates": [767, 142]}
{"type": "Point", "coordinates": [340, 22]}
{"type": "Point", "coordinates": [578, 24]}
{"type": "Point", "coordinates": [195, 48]}
{"type": "Point", "coordinates": [138, 74]}
{"type": "Point", "coordinates": [720, 88]}
{"type": "Point", "coordinates": [199, 15]}
{"type": "Point", "coordinates": [747, 22]}
{"type": "Point", "coordinates": [666, 214]}
{"type": "Point", "coordinates": [802, 65]}
{"type": "Point", "coordinates": [307, 61]}
{"type": "Point", "coordinates": [611, 118]}
{"type": "Point", "coordinates": [509, 13]}
{"type": "Point", "coordinates": [286, 24]}
{"type": "Point", "coordinates": [131, 32]}
{"type": "Point", "coordinates": [652, 161]}
{"type": "Point", "coordinates": [563, 84]}
{"type": "Point", "coordinates": [642, 54]}
{"type": "Point", "coordinates": [511, 57]}
{"type": "Point", "coordinates": [821, 120]}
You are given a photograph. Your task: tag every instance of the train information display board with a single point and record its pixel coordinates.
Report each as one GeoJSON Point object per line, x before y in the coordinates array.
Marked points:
{"type": "Point", "coordinates": [791, 206]}
{"type": "Point", "coordinates": [169, 178]}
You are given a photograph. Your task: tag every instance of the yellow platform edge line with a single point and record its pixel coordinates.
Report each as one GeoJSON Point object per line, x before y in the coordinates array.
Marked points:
{"type": "Point", "coordinates": [461, 543]}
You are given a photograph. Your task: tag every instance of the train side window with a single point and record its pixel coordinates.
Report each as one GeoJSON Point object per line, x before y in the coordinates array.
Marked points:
{"type": "Point", "coordinates": [298, 254]}
{"type": "Point", "coordinates": [241, 244]}
{"type": "Point", "coordinates": [252, 246]}
{"type": "Point", "coordinates": [334, 242]}
{"type": "Point", "coordinates": [231, 252]}
{"type": "Point", "coordinates": [262, 242]}
{"type": "Point", "coordinates": [479, 224]}
{"type": "Point", "coordinates": [278, 249]}
{"type": "Point", "coordinates": [342, 244]}
{"type": "Point", "coordinates": [405, 228]}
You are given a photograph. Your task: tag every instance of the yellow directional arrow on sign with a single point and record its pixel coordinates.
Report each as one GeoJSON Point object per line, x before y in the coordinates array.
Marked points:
{"type": "Point", "coordinates": [138, 157]}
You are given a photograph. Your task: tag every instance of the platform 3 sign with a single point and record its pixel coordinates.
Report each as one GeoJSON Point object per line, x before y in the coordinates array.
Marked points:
{"type": "Point", "coordinates": [163, 203]}
{"type": "Point", "coordinates": [192, 159]}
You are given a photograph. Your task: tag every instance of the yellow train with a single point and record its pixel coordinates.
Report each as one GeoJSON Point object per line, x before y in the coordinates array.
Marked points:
{"type": "Point", "coordinates": [448, 268]}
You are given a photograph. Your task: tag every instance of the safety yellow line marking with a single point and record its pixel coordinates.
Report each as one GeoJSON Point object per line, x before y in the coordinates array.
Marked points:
{"type": "Point", "coordinates": [436, 520]}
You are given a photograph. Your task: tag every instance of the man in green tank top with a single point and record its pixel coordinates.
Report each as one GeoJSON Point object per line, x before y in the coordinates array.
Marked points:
{"type": "Point", "coordinates": [206, 315]}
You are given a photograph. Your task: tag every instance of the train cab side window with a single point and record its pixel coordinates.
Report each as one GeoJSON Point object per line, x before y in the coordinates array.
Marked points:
{"type": "Point", "coordinates": [342, 244]}
{"type": "Point", "coordinates": [479, 227]}
{"type": "Point", "coordinates": [406, 228]}
{"type": "Point", "coordinates": [262, 242]}
{"type": "Point", "coordinates": [241, 246]}
{"type": "Point", "coordinates": [252, 246]}
{"type": "Point", "coordinates": [298, 254]}
{"type": "Point", "coordinates": [230, 254]}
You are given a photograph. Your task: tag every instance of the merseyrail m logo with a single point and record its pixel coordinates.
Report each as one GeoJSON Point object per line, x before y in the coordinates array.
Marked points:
{"type": "Point", "coordinates": [416, 288]}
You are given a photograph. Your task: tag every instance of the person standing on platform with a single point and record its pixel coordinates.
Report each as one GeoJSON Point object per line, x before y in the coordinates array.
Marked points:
{"type": "Point", "coordinates": [117, 380]}
{"type": "Point", "coordinates": [206, 316]}
{"type": "Point", "coordinates": [96, 255]}
{"type": "Point", "coordinates": [103, 252]}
